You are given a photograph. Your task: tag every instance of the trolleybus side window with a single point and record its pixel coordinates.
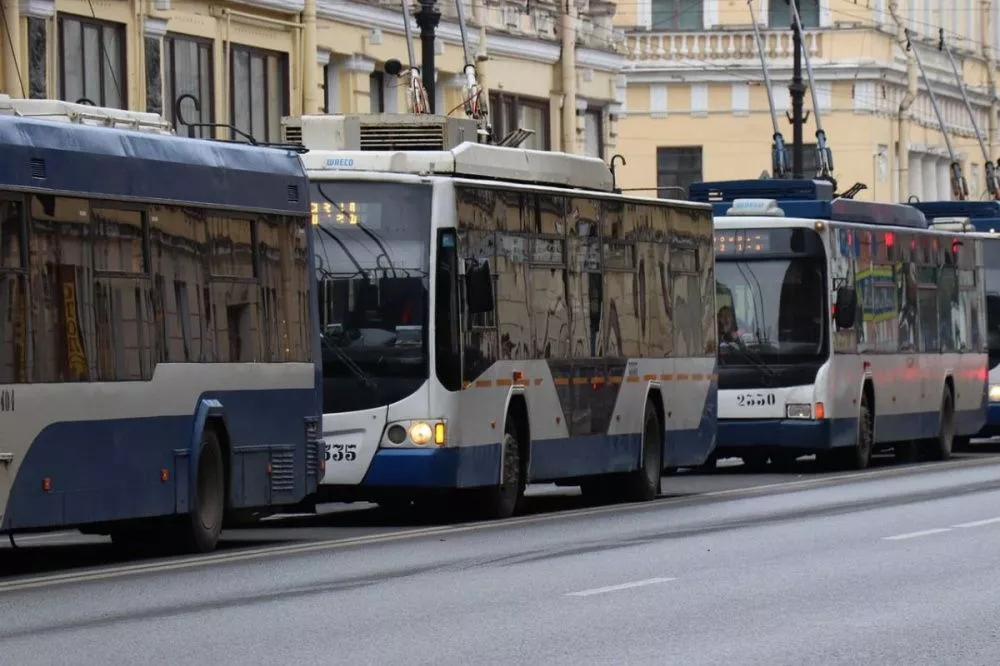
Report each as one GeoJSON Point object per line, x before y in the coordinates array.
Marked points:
{"type": "Point", "coordinates": [122, 308]}
{"type": "Point", "coordinates": [14, 303]}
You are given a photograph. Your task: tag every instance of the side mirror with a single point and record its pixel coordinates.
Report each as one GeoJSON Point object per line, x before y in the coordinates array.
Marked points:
{"type": "Point", "coordinates": [847, 308]}
{"type": "Point", "coordinates": [479, 288]}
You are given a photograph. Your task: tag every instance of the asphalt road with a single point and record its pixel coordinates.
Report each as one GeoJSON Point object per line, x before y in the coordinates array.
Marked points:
{"type": "Point", "coordinates": [895, 566]}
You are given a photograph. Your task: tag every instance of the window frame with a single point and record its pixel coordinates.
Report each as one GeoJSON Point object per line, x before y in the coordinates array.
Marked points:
{"type": "Point", "coordinates": [675, 9]}
{"type": "Point", "coordinates": [285, 101]}
{"type": "Point", "coordinates": [122, 78]}
{"type": "Point", "coordinates": [680, 175]}
{"type": "Point", "coordinates": [505, 106]}
{"type": "Point", "coordinates": [170, 75]}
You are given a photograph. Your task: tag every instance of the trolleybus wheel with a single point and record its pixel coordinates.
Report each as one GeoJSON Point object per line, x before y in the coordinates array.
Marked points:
{"type": "Point", "coordinates": [643, 484]}
{"type": "Point", "coordinates": [940, 447]}
{"type": "Point", "coordinates": [200, 530]}
{"type": "Point", "coordinates": [503, 500]}
{"type": "Point", "coordinates": [859, 456]}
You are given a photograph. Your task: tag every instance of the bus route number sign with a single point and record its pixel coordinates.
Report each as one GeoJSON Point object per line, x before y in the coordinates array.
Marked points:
{"type": "Point", "coordinates": [339, 452]}
{"type": "Point", "coordinates": [755, 400]}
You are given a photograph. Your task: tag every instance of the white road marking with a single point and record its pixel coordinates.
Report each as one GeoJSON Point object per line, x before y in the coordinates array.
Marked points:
{"type": "Point", "coordinates": [243, 555]}
{"type": "Point", "coordinates": [914, 535]}
{"type": "Point", "coordinates": [18, 538]}
{"type": "Point", "coordinates": [622, 586]}
{"type": "Point", "coordinates": [979, 523]}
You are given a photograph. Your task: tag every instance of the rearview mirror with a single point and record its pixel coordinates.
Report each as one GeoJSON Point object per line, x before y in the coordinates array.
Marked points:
{"type": "Point", "coordinates": [846, 308]}
{"type": "Point", "coordinates": [478, 287]}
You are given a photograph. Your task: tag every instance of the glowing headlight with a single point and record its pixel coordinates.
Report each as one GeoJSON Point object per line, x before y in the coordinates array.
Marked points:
{"type": "Point", "coordinates": [421, 433]}
{"type": "Point", "coordinates": [994, 392]}
{"type": "Point", "coordinates": [798, 411]}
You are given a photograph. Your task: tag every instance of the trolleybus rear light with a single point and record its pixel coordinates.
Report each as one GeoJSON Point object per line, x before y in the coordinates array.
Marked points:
{"type": "Point", "coordinates": [164, 475]}
{"type": "Point", "coordinates": [46, 484]}
{"type": "Point", "coordinates": [439, 434]}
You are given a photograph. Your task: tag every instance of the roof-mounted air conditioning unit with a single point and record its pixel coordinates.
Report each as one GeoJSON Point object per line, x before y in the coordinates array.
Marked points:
{"type": "Point", "coordinates": [378, 132]}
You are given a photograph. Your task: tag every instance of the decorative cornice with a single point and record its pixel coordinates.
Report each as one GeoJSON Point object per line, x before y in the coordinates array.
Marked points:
{"type": "Point", "coordinates": [154, 27]}
{"type": "Point", "coordinates": [824, 71]}
{"type": "Point", "coordinates": [283, 6]}
{"type": "Point", "coordinates": [43, 9]}
{"type": "Point", "coordinates": [357, 63]}
{"type": "Point", "coordinates": [525, 48]}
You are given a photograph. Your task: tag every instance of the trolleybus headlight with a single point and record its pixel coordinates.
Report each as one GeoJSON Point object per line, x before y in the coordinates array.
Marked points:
{"type": "Point", "coordinates": [421, 433]}
{"type": "Point", "coordinates": [396, 434]}
{"type": "Point", "coordinates": [798, 411]}
{"type": "Point", "coordinates": [994, 392]}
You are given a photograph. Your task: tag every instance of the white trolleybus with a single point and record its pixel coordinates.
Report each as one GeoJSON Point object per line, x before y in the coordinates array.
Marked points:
{"type": "Point", "coordinates": [495, 316]}
{"type": "Point", "coordinates": [984, 218]}
{"type": "Point", "coordinates": [846, 327]}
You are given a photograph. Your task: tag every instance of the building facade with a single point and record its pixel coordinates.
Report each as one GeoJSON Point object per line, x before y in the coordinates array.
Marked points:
{"type": "Point", "coordinates": [249, 63]}
{"type": "Point", "coordinates": [696, 105]}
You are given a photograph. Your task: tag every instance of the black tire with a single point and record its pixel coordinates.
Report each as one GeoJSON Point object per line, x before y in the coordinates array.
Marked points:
{"type": "Point", "coordinates": [940, 447]}
{"type": "Point", "coordinates": [199, 531]}
{"type": "Point", "coordinates": [504, 500]}
{"type": "Point", "coordinates": [643, 484]}
{"type": "Point", "coordinates": [859, 456]}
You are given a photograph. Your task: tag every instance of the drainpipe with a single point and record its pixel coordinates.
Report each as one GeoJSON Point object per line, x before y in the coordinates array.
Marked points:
{"type": "Point", "coordinates": [568, 67]}
{"type": "Point", "coordinates": [902, 118]}
{"type": "Point", "coordinates": [310, 83]}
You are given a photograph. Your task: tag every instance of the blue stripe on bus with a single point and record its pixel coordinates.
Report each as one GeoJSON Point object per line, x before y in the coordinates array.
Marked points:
{"type": "Point", "coordinates": [742, 434]}
{"type": "Point", "coordinates": [563, 458]}
{"type": "Point", "coordinates": [110, 469]}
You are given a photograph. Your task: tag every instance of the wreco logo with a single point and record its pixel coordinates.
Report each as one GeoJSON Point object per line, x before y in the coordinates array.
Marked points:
{"type": "Point", "coordinates": [340, 163]}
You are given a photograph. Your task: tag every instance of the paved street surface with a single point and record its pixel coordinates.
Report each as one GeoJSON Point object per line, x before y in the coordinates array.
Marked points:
{"type": "Point", "coordinates": [892, 566]}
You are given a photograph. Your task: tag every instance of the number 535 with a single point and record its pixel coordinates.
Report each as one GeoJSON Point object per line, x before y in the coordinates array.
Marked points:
{"type": "Point", "coordinates": [341, 452]}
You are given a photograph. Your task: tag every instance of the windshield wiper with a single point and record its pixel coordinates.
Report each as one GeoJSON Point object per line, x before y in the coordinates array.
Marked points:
{"type": "Point", "coordinates": [767, 373]}
{"type": "Point", "coordinates": [355, 369]}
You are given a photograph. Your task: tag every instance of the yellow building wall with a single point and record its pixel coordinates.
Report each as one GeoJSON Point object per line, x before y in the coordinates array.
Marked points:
{"type": "Point", "coordinates": [531, 72]}
{"type": "Point", "coordinates": [859, 115]}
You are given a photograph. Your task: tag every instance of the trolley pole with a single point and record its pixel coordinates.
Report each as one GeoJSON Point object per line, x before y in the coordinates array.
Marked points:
{"type": "Point", "coordinates": [797, 92]}
{"type": "Point", "coordinates": [428, 18]}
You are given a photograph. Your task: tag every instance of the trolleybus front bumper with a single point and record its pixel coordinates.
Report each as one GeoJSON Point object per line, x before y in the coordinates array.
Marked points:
{"type": "Point", "coordinates": [735, 435]}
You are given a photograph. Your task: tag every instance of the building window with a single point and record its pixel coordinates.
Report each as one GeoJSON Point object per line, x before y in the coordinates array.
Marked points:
{"type": "Point", "coordinates": [676, 170]}
{"type": "Point", "coordinates": [187, 70]}
{"type": "Point", "coordinates": [92, 61]}
{"type": "Point", "coordinates": [510, 113]}
{"type": "Point", "coordinates": [376, 92]}
{"type": "Point", "coordinates": [679, 14]}
{"type": "Point", "coordinates": [593, 133]}
{"type": "Point", "coordinates": [154, 82]}
{"type": "Point", "coordinates": [37, 48]}
{"type": "Point", "coordinates": [259, 90]}
{"type": "Point", "coordinates": [779, 14]}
